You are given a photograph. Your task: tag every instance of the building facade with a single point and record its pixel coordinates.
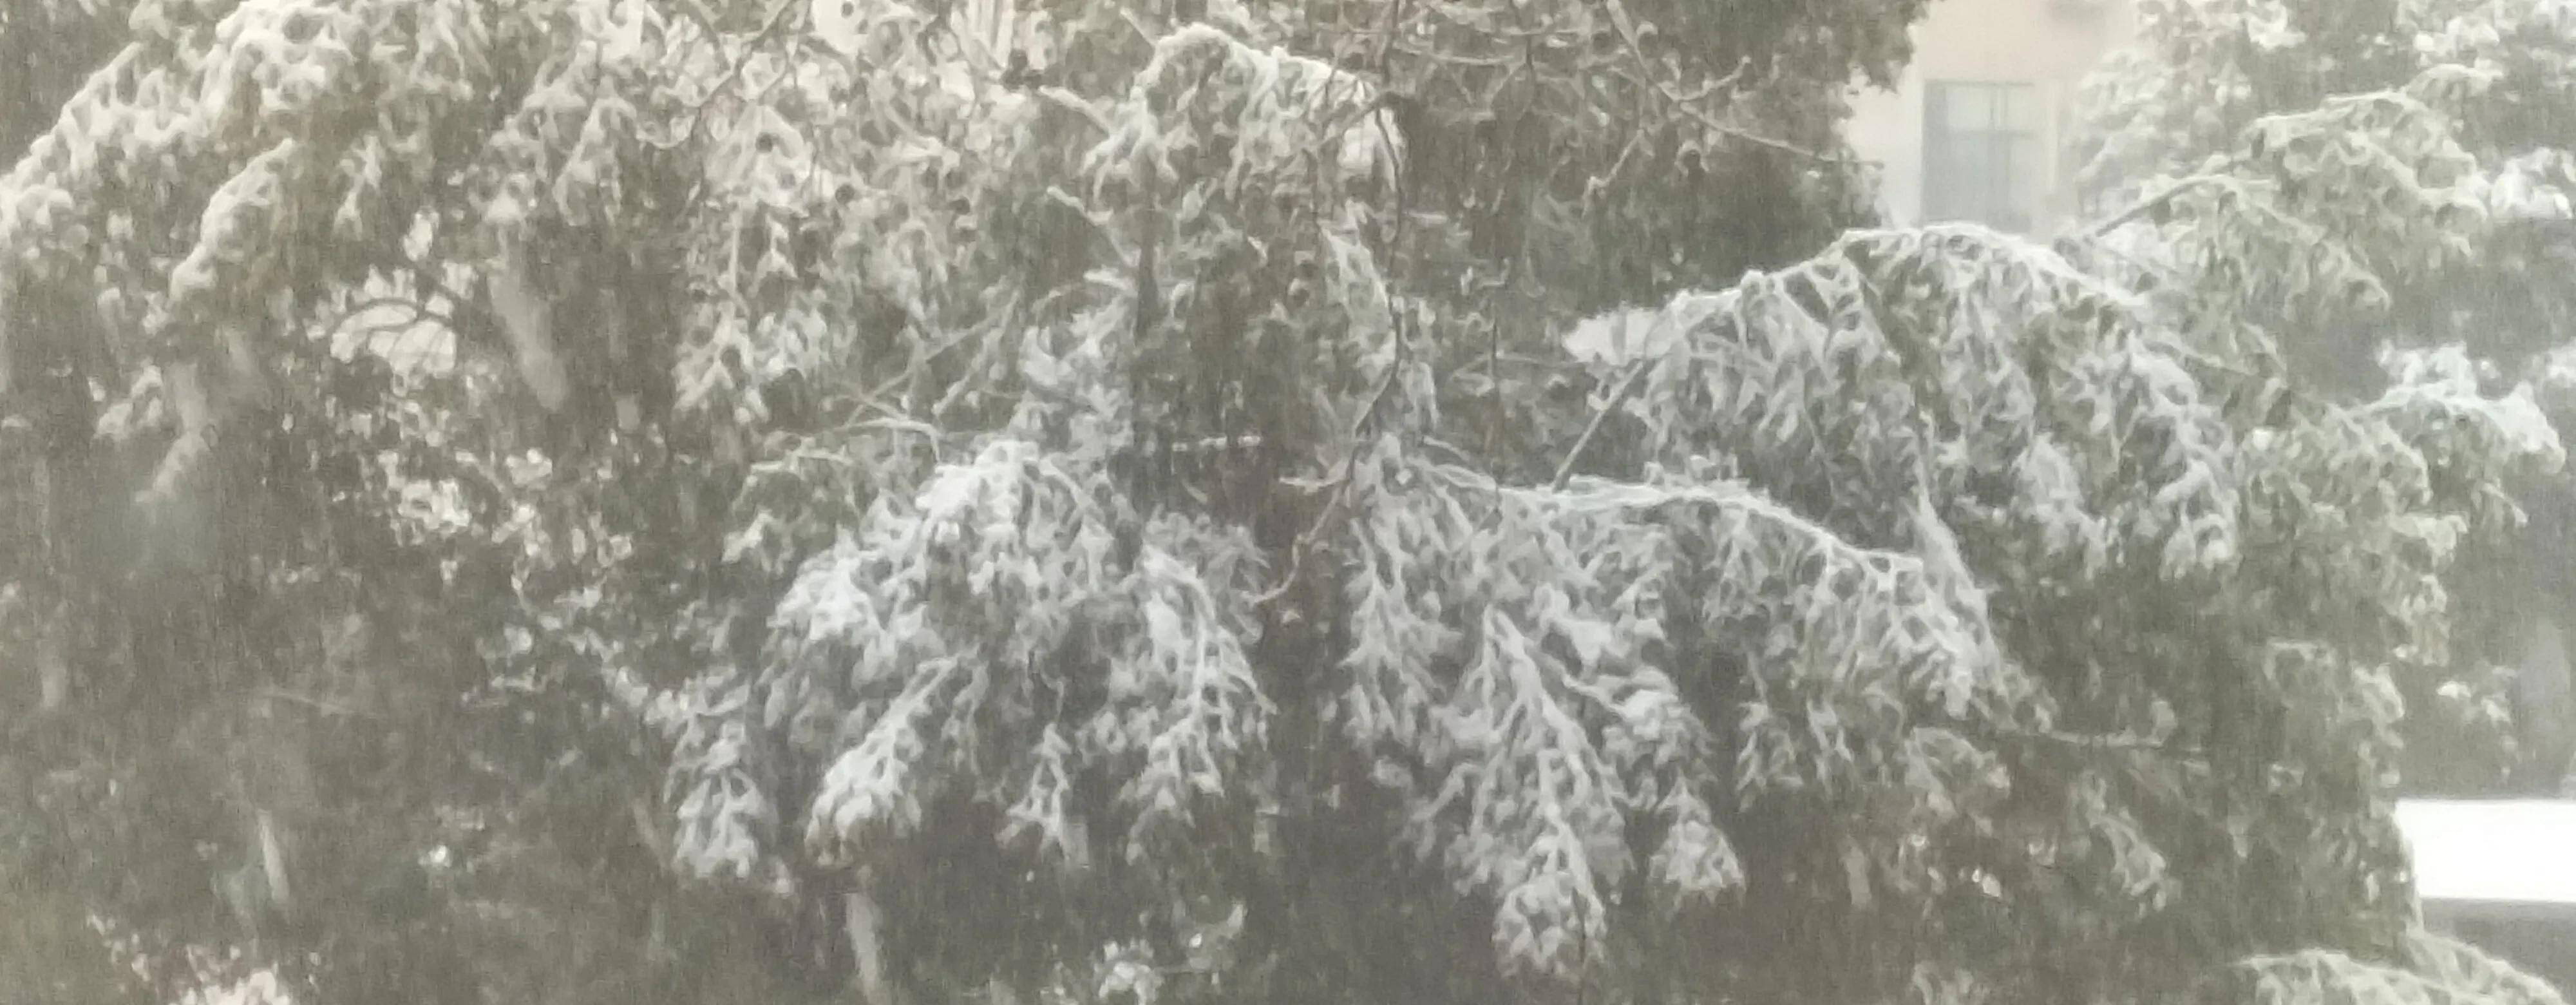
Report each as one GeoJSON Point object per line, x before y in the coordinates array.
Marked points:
{"type": "Point", "coordinates": [1981, 125]}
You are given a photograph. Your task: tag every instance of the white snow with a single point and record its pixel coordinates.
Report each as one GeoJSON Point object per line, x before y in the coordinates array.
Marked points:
{"type": "Point", "coordinates": [260, 988]}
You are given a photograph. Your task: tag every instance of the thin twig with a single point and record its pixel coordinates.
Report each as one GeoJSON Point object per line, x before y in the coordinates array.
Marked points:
{"type": "Point", "coordinates": [418, 313]}
{"type": "Point", "coordinates": [1068, 100]}
{"type": "Point", "coordinates": [1386, 44]}
{"type": "Point", "coordinates": [1645, 69]}
{"type": "Point", "coordinates": [1627, 387]}
{"type": "Point", "coordinates": [980, 364]}
{"type": "Point", "coordinates": [1728, 82]}
{"type": "Point", "coordinates": [1339, 486]}
{"type": "Point", "coordinates": [1516, 265]}
{"type": "Point", "coordinates": [1392, 252]}
{"type": "Point", "coordinates": [874, 397]}
{"type": "Point", "coordinates": [777, 17]}
{"type": "Point", "coordinates": [2116, 742]}
{"type": "Point", "coordinates": [2149, 205]}
{"type": "Point", "coordinates": [316, 704]}
{"type": "Point", "coordinates": [646, 831]}
{"type": "Point", "coordinates": [1142, 33]}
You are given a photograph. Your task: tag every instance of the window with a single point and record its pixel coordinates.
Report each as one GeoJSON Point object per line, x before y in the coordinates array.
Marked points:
{"type": "Point", "coordinates": [1981, 154]}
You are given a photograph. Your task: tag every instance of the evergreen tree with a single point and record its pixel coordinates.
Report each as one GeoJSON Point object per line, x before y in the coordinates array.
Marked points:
{"type": "Point", "coordinates": [2452, 114]}
{"type": "Point", "coordinates": [584, 500]}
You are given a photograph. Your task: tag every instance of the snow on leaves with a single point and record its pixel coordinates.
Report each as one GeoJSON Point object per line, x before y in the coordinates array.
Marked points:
{"type": "Point", "coordinates": [2031, 400]}
{"type": "Point", "coordinates": [2334, 187]}
{"type": "Point", "coordinates": [1287, 108]}
{"type": "Point", "coordinates": [2438, 970]}
{"type": "Point", "coordinates": [724, 815]}
{"type": "Point", "coordinates": [1790, 569]}
{"type": "Point", "coordinates": [1840, 454]}
{"type": "Point", "coordinates": [996, 627]}
{"type": "Point", "coordinates": [2404, 478]}
{"type": "Point", "coordinates": [1970, 404]}
{"type": "Point", "coordinates": [2470, 972]}
{"type": "Point", "coordinates": [1522, 641]}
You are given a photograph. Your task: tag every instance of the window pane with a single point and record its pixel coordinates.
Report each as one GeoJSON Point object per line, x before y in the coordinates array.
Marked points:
{"type": "Point", "coordinates": [1970, 107]}
{"type": "Point", "coordinates": [1981, 153]}
{"type": "Point", "coordinates": [2021, 107]}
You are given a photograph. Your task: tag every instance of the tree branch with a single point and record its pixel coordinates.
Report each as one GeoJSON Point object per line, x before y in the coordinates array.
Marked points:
{"type": "Point", "coordinates": [2112, 742]}
{"type": "Point", "coordinates": [2149, 205]}
{"type": "Point", "coordinates": [1627, 388]}
{"type": "Point", "coordinates": [1340, 488]}
{"type": "Point", "coordinates": [1688, 106]}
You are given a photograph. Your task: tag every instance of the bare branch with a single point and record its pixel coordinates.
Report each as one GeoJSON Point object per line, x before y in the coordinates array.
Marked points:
{"type": "Point", "coordinates": [1339, 486]}
{"type": "Point", "coordinates": [2149, 205]}
{"type": "Point", "coordinates": [1688, 104]}
{"type": "Point", "coordinates": [1627, 387]}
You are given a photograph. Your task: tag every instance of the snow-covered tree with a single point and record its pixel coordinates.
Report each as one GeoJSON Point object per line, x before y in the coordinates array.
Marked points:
{"type": "Point", "coordinates": [1059, 501]}
{"type": "Point", "coordinates": [2417, 153]}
